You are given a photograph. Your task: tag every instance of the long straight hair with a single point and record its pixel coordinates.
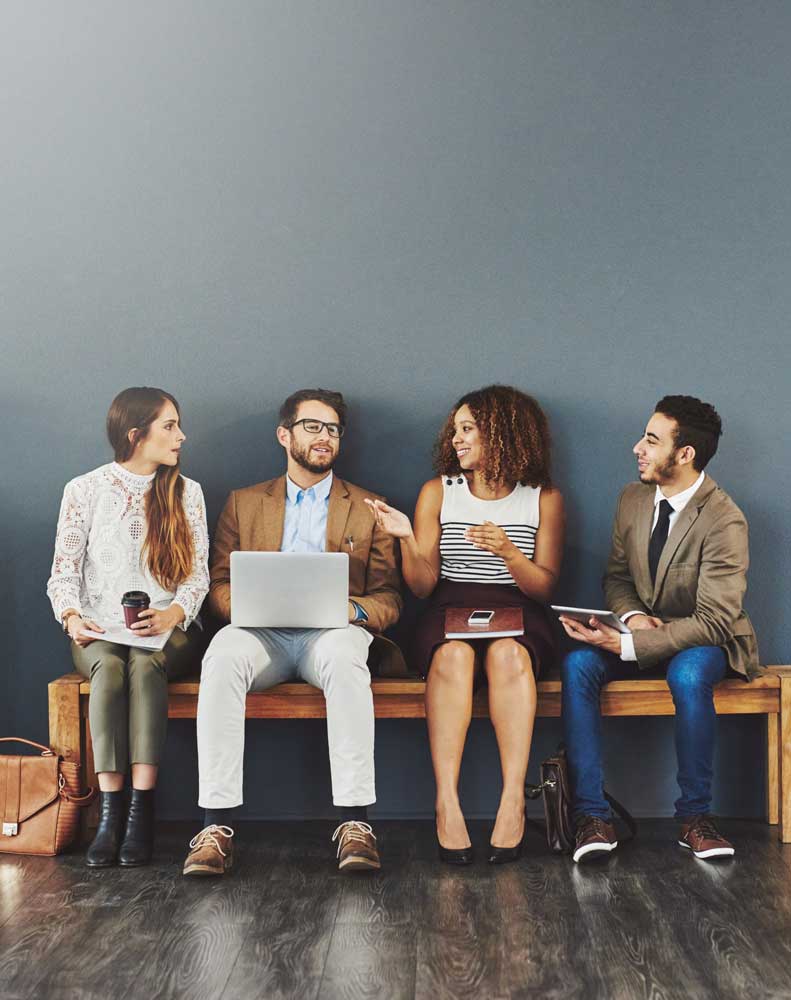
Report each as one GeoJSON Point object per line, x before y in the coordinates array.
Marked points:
{"type": "Point", "coordinates": [168, 546]}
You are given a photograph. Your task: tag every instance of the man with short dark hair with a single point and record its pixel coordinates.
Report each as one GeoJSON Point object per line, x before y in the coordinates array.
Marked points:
{"type": "Point", "coordinates": [677, 574]}
{"type": "Point", "coordinates": [308, 509]}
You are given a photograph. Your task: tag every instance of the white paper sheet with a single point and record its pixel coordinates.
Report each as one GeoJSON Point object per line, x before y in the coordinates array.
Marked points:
{"type": "Point", "coordinates": [126, 637]}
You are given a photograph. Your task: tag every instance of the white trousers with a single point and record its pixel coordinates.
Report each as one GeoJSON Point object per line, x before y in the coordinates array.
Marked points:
{"type": "Point", "coordinates": [239, 660]}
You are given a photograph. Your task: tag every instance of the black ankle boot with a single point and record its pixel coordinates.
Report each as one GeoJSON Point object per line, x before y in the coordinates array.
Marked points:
{"type": "Point", "coordinates": [103, 851]}
{"type": "Point", "coordinates": [138, 843]}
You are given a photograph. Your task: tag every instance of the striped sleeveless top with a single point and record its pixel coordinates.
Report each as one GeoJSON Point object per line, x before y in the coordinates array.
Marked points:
{"type": "Point", "coordinates": [516, 514]}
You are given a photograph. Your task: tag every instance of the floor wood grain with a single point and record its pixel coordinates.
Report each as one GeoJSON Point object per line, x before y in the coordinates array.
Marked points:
{"type": "Point", "coordinates": [651, 922]}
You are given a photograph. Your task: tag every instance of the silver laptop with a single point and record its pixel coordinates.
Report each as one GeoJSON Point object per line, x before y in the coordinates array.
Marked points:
{"type": "Point", "coordinates": [290, 589]}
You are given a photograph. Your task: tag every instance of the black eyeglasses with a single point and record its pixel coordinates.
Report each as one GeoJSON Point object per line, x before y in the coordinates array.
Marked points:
{"type": "Point", "coordinates": [315, 427]}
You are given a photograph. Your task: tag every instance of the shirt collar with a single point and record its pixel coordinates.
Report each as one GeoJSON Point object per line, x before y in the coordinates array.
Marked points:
{"type": "Point", "coordinates": [131, 478]}
{"type": "Point", "coordinates": [680, 500]}
{"type": "Point", "coordinates": [321, 489]}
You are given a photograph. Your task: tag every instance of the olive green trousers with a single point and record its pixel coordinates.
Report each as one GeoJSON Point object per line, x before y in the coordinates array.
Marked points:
{"type": "Point", "coordinates": [128, 706]}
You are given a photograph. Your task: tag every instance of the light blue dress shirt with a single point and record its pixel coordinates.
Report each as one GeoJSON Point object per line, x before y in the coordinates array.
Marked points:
{"type": "Point", "coordinates": [305, 522]}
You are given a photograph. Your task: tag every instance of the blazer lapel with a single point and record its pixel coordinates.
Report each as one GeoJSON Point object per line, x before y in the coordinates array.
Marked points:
{"type": "Point", "coordinates": [337, 515]}
{"type": "Point", "coordinates": [273, 512]}
{"type": "Point", "coordinates": [685, 520]}
{"type": "Point", "coordinates": [642, 536]}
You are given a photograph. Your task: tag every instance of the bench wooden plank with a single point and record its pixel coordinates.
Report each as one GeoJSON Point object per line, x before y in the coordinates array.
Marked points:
{"type": "Point", "coordinates": [394, 699]}
{"type": "Point", "coordinates": [410, 686]}
{"type": "Point", "coordinates": [309, 704]}
{"type": "Point", "coordinates": [403, 699]}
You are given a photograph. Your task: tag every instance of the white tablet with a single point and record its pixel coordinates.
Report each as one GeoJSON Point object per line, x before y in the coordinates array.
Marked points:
{"type": "Point", "coordinates": [584, 615]}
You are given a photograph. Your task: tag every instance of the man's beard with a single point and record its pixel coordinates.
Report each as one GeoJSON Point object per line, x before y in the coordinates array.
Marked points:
{"type": "Point", "coordinates": [301, 457]}
{"type": "Point", "coordinates": [663, 473]}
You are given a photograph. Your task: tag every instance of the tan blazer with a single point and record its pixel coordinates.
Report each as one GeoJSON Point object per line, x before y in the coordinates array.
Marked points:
{"type": "Point", "coordinates": [700, 580]}
{"type": "Point", "coordinates": [252, 520]}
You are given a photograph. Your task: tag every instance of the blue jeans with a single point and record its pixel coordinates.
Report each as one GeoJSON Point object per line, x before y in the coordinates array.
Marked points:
{"type": "Point", "coordinates": [691, 676]}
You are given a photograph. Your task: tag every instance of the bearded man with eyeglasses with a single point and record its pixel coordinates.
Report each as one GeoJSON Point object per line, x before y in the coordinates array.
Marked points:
{"type": "Point", "coordinates": [309, 509]}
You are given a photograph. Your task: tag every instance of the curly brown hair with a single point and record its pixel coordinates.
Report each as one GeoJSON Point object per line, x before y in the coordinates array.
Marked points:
{"type": "Point", "coordinates": [514, 433]}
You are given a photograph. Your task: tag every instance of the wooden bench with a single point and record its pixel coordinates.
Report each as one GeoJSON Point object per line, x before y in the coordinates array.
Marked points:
{"type": "Point", "coordinates": [770, 695]}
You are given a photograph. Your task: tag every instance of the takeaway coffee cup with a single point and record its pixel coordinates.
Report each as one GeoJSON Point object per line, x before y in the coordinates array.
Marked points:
{"type": "Point", "coordinates": [133, 602]}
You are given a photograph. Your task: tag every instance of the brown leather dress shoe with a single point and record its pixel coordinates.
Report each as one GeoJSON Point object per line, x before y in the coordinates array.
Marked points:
{"type": "Point", "coordinates": [211, 852]}
{"type": "Point", "coordinates": [701, 836]}
{"type": "Point", "coordinates": [595, 839]}
{"type": "Point", "coordinates": [356, 847]}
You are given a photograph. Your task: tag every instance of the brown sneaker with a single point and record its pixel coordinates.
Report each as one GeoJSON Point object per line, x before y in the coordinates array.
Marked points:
{"type": "Point", "coordinates": [356, 847]}
{"type": "Point", "coordinates": [594, 839]}
{"type": "Point", "coordinates": [702, 837]}
{"type": "Point", "coordinates": [211, 852]}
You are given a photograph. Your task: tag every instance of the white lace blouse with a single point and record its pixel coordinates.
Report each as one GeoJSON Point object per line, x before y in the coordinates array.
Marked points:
{"type": "Point", "coordinates": [99, 542]}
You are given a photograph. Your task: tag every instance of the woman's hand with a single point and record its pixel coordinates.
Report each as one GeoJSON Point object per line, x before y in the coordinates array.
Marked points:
{"type": "Point", "coordinates": [390, 520]}
{"type": "Point", "coordinates": [76, 626]}
{"type": "Point", "coordinates": [154, 622]}
{"type": "Point", "coordinates": [492, 538]}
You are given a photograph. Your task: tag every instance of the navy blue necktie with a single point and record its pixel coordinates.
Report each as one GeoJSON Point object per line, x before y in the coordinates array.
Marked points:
{"type": "Point", "coordinates": [659, 537]}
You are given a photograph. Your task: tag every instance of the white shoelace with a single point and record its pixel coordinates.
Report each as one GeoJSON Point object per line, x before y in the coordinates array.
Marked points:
{"type": "Point", "coordinates": [208, 833]}
{"type": "Point", "coordinates": [352, 829]}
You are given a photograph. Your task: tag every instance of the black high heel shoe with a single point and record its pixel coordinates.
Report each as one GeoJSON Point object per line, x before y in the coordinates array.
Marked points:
{"type": "Point", "coordinates": [502, 855]}
{"type": "Point", "coordinates": [454, 855]}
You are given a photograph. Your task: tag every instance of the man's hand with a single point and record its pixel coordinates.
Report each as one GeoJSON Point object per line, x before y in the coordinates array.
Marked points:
{"type": "Point", "coordinates": [595, 634]}
{"type": "Point", "coordinates": [637, 622]}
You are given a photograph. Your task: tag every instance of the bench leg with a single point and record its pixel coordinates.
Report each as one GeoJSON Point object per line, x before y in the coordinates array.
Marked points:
{"type": "Point", "coordinates": [65, 729]}
{"type": "Point", "coordinates": [773, 768]}
{"type": "Point", "coordinates": [66, 733]}
{"type": "Point", "coordinates": [784, 760]}
{"type": "Point", "coordinates": [70, 736]}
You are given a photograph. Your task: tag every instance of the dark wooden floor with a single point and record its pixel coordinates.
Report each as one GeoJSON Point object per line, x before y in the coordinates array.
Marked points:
{"type": "Point", "coordinates": [652, 922]}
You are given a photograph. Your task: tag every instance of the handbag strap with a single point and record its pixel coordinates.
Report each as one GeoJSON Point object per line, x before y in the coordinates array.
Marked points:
{"type": "Point", "coordinates": [18, 739]}
{"type": "Point", "coordinates": [78, 800]}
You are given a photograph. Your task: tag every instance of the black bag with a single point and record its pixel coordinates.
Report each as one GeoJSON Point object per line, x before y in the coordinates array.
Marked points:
{"type": "Point", "coordinates": [556, 791]}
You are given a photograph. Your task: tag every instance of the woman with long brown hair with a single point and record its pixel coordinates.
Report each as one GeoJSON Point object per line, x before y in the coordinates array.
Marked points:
{"type": "Point", "coordinates": [130, 530]}
{"type": "Point", "coordinates": [488, 534]}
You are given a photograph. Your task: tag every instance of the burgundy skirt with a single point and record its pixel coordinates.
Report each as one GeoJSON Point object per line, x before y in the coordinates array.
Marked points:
{"type": "Point", "coordinates": [538, 638]}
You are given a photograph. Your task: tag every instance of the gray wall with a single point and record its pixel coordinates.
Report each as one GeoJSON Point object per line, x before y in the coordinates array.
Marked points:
{"type": "Point", "coordinates": [403, 201]}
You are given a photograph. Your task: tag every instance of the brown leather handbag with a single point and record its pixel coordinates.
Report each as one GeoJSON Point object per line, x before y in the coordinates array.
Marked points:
{"type": "Point", "coordinates": [40, 801]}
{"type": "Point", "coordinates": [555, 790]}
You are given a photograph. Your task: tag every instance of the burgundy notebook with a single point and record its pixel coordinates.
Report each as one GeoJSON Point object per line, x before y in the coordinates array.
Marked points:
{"type": "Point", "coordinates": [506, 621]}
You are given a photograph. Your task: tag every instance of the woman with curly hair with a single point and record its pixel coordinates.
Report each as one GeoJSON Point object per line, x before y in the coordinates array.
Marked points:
{"type": "Point", "coordinates": [488, 533]}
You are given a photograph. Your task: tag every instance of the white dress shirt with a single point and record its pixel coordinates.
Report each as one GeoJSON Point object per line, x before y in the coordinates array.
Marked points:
{"type": "Point", "coordinates": [678, 502]}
